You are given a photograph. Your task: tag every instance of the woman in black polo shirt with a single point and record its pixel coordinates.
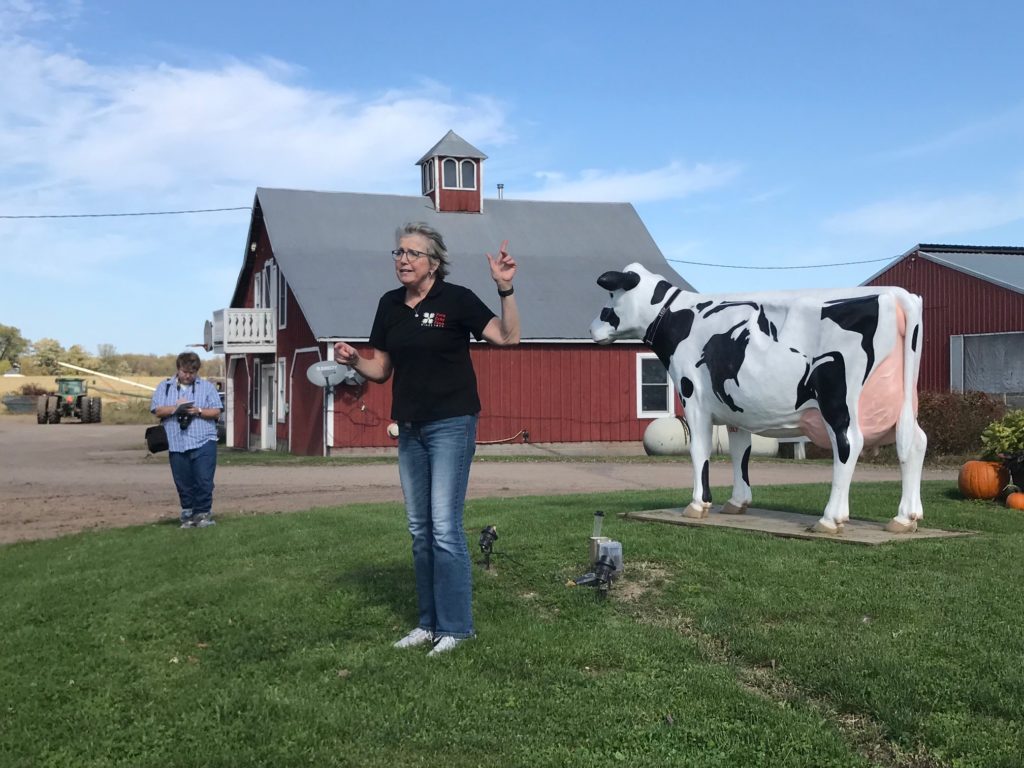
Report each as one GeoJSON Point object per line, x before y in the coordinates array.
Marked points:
{"type": "Point", "coordinates": [421, 335]}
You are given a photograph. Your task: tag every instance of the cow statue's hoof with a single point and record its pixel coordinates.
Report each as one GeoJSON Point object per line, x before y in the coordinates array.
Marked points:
{"type": "Point", "coordinates": [895, 526]}
{"type": "Point", "coordinates": [824, 527]}
{"type": "Point", "coordinates": [697, 511]}
{"type": "Point", "coordinates": [733, 509]}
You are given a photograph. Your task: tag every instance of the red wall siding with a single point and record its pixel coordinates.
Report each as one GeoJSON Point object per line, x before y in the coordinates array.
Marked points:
{"type": "Point", "coordinates": [556, 392]}
{"type": "Point", "coordinates": [954, 303]}
{"type": "Point", "coordinates": [460, 200]}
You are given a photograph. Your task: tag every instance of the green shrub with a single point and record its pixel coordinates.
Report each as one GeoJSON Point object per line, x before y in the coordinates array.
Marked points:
{"type": "Point", "coordinates": [1005, 437]}
{"type": "Point", "coordinates": [1004, 441]}
{"type": "Point", "coordinates": [954, 421]}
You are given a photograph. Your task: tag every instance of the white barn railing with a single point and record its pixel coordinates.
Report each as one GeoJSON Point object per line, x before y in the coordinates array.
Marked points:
{"type": "Point", "coordinates": [241, 331]}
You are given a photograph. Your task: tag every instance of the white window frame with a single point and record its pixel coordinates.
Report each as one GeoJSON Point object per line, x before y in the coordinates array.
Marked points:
{"type": "Point", "coordinates": [670, 394]}
{"type": "Point", "coordinates": [443, 165]}
{"type": "Point", "coordinates": [257, 290]}
{"type": "Point", "coordinates": [462, 176]}
{"type": "Point", "coordinates": [257, 382]}
{"type": "Point", "coordinates": [459, 179]}
{"type": "Point", "coordinates": [282, 391]}
{"type": "Point", "coordinates": [282, 301]}
{"type": "Point", "coordinates": [428, 176]}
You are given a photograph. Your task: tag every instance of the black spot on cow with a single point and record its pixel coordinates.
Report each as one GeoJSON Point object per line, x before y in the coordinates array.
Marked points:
{"type": "Point", "coordinates": [730, 305]}
{"type": "Point", "coordinates": [825, 382]}
{"type": "Point", "coordinates": [705, 481]}
{"type": "Point", "coordinates": [685, 387]}
{"type": "Point", "coordinates": [913, 339]}
{"type": "Point", "coordinates": [704, 305]}
{"type": "Point", "coordinates": [723, 355]}
{"type": "Point", "coordinates": [619, 281]}
{"type": "Point", "coordinates": [673, 328]}
{"type": "Point", "coordinates": [660, 291]}
{"type": "Point", "coordinates": [766, 326]}
{"type": "Point", "coordinates": [744, 464]}
{"type": "Point", "coordinates": [859, 315]}
{"type": "Point", "coordinates": [608, 316]}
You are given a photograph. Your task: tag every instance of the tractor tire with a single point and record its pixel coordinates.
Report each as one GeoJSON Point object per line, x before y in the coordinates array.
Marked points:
{"type": "Point", "coordinates": [88, 410]}
{"type": "Point", "coordinates": [82, 410]}
{"type": "Point", "coordinates": [97, 410]}
{"type": "Point", "coordinates": [53, 409]}
{"type": "Point", "coordinates": [41, 409]}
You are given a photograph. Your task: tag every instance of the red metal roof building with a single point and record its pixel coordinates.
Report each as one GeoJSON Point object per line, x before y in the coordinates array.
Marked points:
{"type": "Point", "coordinates": [973, 315]}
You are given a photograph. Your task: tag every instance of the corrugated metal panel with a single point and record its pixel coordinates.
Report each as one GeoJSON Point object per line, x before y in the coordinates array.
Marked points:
{"type": "Point", "coordinates": [954, 303]}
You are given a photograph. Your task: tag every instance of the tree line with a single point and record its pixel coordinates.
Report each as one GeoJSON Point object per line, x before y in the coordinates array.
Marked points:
{"type": "Point", "coordinates": [40, 358]}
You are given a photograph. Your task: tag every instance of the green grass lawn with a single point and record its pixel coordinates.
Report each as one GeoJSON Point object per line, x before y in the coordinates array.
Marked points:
{"type": "Point", "coordinates": [265, 641]}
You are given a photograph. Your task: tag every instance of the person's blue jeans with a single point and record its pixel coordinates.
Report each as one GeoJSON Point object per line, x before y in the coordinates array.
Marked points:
{"type": "Point", "coordinates": [193, 477]}
{"type": "Point", "coordinates": [434, 458]}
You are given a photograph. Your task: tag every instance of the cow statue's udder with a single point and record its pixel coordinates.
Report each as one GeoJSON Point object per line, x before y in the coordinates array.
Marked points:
{"type": "Point", "coordinates": [879, 403]}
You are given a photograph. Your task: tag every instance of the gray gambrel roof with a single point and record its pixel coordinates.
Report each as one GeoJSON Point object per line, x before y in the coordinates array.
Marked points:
{"type": "Point", "coordinates": [333, 249]}
{"type": "Point", "coordinates": [997, 265]}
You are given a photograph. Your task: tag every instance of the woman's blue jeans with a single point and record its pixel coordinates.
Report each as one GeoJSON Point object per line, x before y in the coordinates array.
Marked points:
{"type": "Point", "coordinates": [434, 458]}
{"type": "Point", "coordinates": [193, 473]}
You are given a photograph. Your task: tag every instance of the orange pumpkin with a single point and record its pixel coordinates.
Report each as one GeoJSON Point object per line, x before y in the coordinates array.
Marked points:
{"type": "Point", "coordinates": [1015, 501]}
{"type": "Point", "coordinates": [983, 479]}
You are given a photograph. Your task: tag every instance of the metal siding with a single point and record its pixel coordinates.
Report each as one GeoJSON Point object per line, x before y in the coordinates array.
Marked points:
{"type": "Point", "coordinates": [954, 303]}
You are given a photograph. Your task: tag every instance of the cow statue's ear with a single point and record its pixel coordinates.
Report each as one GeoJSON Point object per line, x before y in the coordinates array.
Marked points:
{"type": "Point", "coordinates": [614, 281]}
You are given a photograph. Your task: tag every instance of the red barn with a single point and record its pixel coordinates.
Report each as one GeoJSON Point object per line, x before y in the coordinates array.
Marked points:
{"type": "Point", "coordinates": [316, 264]}
{"type": "Point", "coordinates": [973, 316]}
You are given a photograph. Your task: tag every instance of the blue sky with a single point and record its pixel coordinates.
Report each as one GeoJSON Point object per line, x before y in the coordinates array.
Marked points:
{"type": "Point", "coordinates": [746, 134]}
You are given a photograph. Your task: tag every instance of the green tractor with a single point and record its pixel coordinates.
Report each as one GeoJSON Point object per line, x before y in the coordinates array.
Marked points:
{"type": "Point", "coordinates": [71, 400]}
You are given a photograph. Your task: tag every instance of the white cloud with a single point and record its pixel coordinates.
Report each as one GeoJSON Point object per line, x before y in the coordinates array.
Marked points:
{"type": "Point", "coordinates": [16, 15]}
{"type": "Point", "coordinates": [669, 182]}
{"type": "Point", "coordinates": [70, 130]}
{"type": "Point", "coordinates": [926, 220]}
{"type": "Point", "coordinates": [1006, 123]}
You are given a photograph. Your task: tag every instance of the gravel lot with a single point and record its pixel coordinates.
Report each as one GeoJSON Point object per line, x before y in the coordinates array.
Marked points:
{"type": "Point", "coordinates": [62, 478]}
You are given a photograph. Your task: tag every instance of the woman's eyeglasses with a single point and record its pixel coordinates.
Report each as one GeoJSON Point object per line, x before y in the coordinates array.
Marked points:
{"type": "Point", "coordinates": [398, 253]}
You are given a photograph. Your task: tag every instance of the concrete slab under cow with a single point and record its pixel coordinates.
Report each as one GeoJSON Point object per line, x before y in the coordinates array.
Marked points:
{"type": "Point", "coordinates": [792, 525]}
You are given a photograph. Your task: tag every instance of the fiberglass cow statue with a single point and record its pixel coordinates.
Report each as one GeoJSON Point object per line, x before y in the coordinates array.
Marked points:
{"type": "Point", "coordinates": [839, 366]}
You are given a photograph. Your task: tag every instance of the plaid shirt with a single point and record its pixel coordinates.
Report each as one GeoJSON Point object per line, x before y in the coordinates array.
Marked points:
{"type": "Point", "coordinates": [204, 394]}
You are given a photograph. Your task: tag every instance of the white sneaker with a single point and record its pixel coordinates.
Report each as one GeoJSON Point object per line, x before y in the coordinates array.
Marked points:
{"type": "Point", "coordinates": [417, 637]}
{"type": "Point", "coordinates": [444, 645]}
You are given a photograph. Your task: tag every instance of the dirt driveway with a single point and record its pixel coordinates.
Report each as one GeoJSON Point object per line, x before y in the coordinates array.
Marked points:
{"type": "Point", "coordinates": [64, 478]}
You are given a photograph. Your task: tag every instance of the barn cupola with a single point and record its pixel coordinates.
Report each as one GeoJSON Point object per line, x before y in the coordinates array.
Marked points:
{"type": "Point", "coordinates": [452, 175]}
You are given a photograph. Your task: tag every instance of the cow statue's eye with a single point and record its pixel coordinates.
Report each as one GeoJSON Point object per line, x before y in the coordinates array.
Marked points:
{"type": "Point", "coordinates": [611, 295]}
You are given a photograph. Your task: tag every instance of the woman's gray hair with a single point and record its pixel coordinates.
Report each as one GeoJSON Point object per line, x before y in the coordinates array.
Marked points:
{"type": "Point", "coordinates": [438, 251]}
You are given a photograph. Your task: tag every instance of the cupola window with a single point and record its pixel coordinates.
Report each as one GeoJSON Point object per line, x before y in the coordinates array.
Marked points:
{"type": "Point", "coordinates": [458, 174]}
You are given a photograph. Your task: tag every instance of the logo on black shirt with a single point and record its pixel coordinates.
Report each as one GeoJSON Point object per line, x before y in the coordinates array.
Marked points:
{"type": "Point", "coordinates": [433, 320]}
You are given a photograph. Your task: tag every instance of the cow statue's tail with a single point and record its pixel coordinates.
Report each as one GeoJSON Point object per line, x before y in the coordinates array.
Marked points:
{"type": "Point", "coordinates": [911, 441]}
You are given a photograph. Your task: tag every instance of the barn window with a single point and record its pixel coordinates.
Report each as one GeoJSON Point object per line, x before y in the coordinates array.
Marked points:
{"type": "Point", "coordinates": [450, 171]}
{"type": "Point", "coordinates": [257, 374]}
{"type": "Point", "coordinates": [428, 176]}
{"type": "Point", "coordinates": [458, 174]}
{"type": "Point", "coordinates": [654, 390]}
{"type": "Point", "coordinates": [282, 391]}
{"type": "Point", "coordinates": [257, 290]}
{"type": "Point", "coordinates": [468, 174]}
{"type": "Point", "coordinates": [282, 301]}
